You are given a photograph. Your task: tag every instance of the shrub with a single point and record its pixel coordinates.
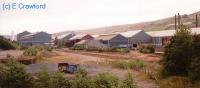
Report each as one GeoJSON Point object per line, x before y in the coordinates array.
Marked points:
{"type": "Point", "coordinates": [128, 82]}
{"type": "Point", "coordinates": [81, 72]}
{"type": "Point", "coordinates": [175, 82]}
{"type": "Point", "coordinates": [106, 80]}
{"type": "Point", "coordinates": [31, 51]}
{"type": "Point", "coordinates": [77, 47]}
{"type": "Point", "coordinates": [43, 79]}
{"type": "Point", "coordinates": [6, 44]}
{"type": "Point", "coordinates": [81, 80]}
{"type": "Point", "coordinates": [147, 49]}
{"type": "Point", "coordinates": [59, 81]}
{"type": "Point", "coordinates": [13, 75]}
{"type": "Point", "coordinates": [131, 64]}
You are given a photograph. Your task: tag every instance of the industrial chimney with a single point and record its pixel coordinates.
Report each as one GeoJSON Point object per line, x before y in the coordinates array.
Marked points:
{"type": "Point", "coordinates": [175, 22]}
{"type": "Point", "coordinates": [196, 20]}
{"type": "Point", "coordinates": [179, 21]}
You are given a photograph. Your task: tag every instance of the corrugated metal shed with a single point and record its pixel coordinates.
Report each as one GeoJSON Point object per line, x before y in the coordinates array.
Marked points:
{"type": "Point", "coordinates": [129, 34]}
{"type": "Point", "coordinates": [106, 36]}
{"type": "Point", "coordinates": [168, 33]}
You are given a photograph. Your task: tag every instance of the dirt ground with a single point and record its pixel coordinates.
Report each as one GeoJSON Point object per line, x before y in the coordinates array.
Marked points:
{"type": "Point", "coordinates": [15, 53]}
{"type": "Point", "coordinates": [92, 62]}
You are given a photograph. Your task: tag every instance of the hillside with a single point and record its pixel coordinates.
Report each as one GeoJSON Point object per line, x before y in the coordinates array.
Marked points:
{"type": "Point", "coordinates": [163, 24]}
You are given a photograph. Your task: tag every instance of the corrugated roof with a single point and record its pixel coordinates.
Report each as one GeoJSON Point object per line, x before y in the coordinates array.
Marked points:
{"type": "Point", "coordinates": [106, 36]}
{"type": "Point", "coordinates": [130, 33]}
{"type": "Point", "coordinates": [64, 35]}
{"type": "Point", "coordinates": [167, 33]}
{"type": "Point", "coordinates": [29, 35]}
{"type": "Point", "coordinates": [78, 36]}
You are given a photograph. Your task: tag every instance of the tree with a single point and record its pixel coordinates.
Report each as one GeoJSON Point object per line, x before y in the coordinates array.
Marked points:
{"type": "Point", "coordinates": [194, 69]}
{"type": "Point", "coordinates": [6, 44]}
{"type": "Point", "coordinates": [178, 53]}
{"type": "Point", "coordinates": [13, 75]}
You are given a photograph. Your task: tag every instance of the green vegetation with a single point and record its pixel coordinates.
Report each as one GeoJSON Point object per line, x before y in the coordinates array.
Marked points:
{"type": "Point", "coordinates": [128, 82]}
{"type": "Point", "coordinates": [34, 50]}
{"type": "Point", "coordinates": [178, 54]}
{"type": "Point", "coordinates": [76, 47]}
{"type": "Point", "coordinates": [6, 44]}
{"type": "Point", "coordinates": [106, 80]}
{"type": "Point", "coordinates": [112, 49]}
{"type": "Point", "coordinates": [31, 51]}
{"type": "Point", "coordinates": [181, 62]}
{"type": "Point", "coordinates": [13, 75]}
{"type": "Point", "coordinates": [131, 64]}
{"type": "Point", "coordinates": [147, 49]}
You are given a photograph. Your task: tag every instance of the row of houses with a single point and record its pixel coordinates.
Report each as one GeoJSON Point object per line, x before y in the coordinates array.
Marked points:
{"type": "Point", "coordinates": [119, 39]}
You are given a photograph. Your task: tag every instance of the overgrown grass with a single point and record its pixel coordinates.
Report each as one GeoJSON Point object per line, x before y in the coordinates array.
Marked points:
{"type": "Point", "coordinates": [130, 64]}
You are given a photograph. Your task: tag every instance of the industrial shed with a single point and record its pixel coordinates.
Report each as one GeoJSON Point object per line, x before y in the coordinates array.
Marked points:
{"type": "Point", "coordinates": [161, 38]}
{"type": "Point", "coordinates": [78, 38]}
{"type": "Point", "coordinates": [93, 43]}
{"type": "Point", "coordinates": [38, 38]}
{"type": "Point", "coordinates": [113, 40]}
{"type": "Point", "coordinates": [62, 39]}
{"type": "Point", "coordinates": [136, 37]}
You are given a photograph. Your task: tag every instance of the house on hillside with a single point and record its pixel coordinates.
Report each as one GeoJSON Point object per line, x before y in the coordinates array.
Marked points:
{"type": "Point", "coordinates": [78, 38]}
{"type": "Point", "coordinates": [136, 37]}
{"type": "Point", "coordinates": [92, 43]}
{"type": "Point", "coordinates": [161, 38]}
{"type": "Point", "coordinates": [38, 38]}
{"type": "Point", "coordinates": [113, 40]}
{"type": "Point", "coordinates": [22, 34]}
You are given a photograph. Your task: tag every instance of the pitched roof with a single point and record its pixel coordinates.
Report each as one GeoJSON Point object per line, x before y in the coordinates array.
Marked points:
{"type": "Point", "coordinates": [106, 36]}
{"type": "Point", "coordinates": [167, 33]}
{"type": "Point", "coordinates": [30, 35]}
{"type": "Point", "coordinates": [64, 35]}
{"type": "Point", "coordinates": [130, 33]}
{"type": "Point", "coordinates": [78, 36]}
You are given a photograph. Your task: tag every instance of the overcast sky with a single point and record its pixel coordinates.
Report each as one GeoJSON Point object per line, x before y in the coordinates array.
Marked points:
{"type": "Point", "coordinates": [63, 15]}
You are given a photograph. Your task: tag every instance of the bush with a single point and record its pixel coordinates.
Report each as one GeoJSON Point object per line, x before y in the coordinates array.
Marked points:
{"type": "Point", "coordinates": [13, 75]}
{"type": "Point", "coordinates": [147, 49]}
{"type": "Point", "coordinates": [77, 47]}
{"type": "Point", "coordinates": [6, 44]}
{"type": "Point", "coordinates": [175, 82]}
{"type": "Point", "coordinates": [31, 51]}
{"type": "Point", "coordinates": [132, 64]}
{"type": "Point", "coordinates": [81, 80]}
{"type": "Point", "coordinates": [128, 82]}
{"type": "Point", "coordinates": [43, 79]}
{"type": "Point", "coordinates": [106, 80]}
{"type": "Point", "coordinates": [59, 81]}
